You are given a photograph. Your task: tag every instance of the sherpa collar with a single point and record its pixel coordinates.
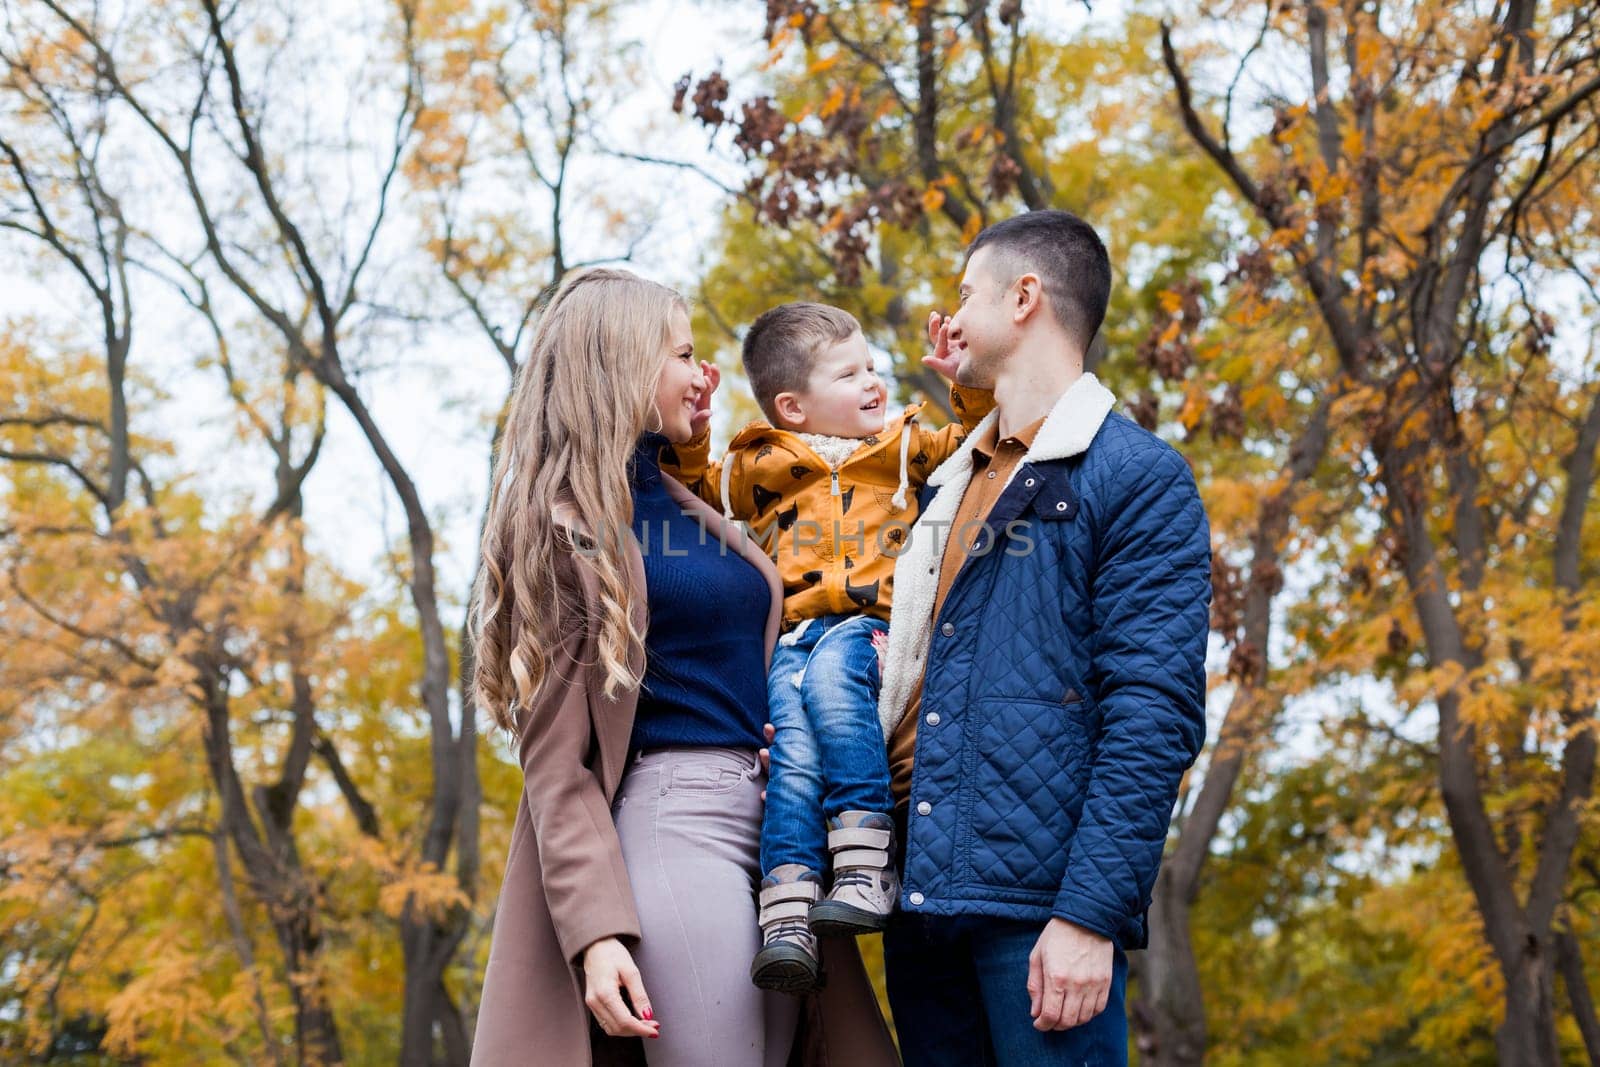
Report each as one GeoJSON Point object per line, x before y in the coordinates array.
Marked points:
{"type": "Point", "coordinates": [1067, 430]}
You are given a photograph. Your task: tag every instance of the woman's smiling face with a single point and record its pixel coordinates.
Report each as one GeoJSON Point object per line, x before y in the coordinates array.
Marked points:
{"type": "Point", "coordinates": [680, 384]}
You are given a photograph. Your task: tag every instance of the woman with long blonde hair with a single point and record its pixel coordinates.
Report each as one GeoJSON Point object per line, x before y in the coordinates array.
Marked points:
{"type": "Point", "coordinates": [622, 634]}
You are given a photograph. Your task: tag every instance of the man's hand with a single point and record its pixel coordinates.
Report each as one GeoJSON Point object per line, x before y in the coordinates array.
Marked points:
{"type": "Point", "coordinates": [1069, 976]}
{"type": "Point", "coordinates": [940, 358]}
{"type": "Point", "coordinates": [702, 404]}
{"type": "Point", "coordinates": [769, 732]}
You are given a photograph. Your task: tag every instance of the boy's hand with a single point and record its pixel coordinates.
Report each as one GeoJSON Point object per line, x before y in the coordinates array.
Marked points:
{"type": "Point", "coordinates": [940, 358]}
{"type": "Point", "coordinates": [702, 404]}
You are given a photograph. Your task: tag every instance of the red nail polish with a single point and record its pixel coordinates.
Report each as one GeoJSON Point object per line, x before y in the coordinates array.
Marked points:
{"type": "Point", "coordinates": [647, 1015]}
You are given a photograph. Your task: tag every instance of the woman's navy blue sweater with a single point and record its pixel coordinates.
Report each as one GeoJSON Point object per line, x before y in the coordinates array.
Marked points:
{"type": "Point", "coordinates": [705, 679]}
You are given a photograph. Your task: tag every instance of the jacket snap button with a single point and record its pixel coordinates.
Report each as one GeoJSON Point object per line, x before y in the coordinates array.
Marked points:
{"type": "Point", "coordinates": [917, 899]}
{"type": "Point", "coordinates": [933, 718]}
{"type": "Point", "coordinates": [1028, 483]}
{"type": "Point", "coordinates": [924, 808]}
{"type": "Point", "coordinates": [948, 629]}
{"type": "Point", "coordinates": [1061, 505]}
{"type": "Point", "coordinates": [991, 474]}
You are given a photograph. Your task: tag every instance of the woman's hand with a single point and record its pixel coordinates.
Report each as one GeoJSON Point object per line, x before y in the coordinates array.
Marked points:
{"type": "Point", "coordinates": [702, 404]}
{"type": "Point", "coordinates": [608, 969]}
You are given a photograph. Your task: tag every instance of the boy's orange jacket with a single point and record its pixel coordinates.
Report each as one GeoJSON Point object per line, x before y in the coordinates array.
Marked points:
{"type": "Point", "coordinates": [833, 534]}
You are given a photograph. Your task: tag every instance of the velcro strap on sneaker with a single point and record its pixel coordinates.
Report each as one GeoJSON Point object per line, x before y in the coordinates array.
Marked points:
{"type": "Point", "coordinates": [778, 911]}
{"type": "Point", "coordinates": [807, 891]}
{"type": "Point", "coordinates": [876, 858]}
{"type": "Point", "coordinates": [859, 837]}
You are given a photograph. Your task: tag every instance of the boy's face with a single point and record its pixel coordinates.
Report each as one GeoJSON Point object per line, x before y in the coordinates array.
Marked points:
{"type": "Point", "coordinates": [843, 397]}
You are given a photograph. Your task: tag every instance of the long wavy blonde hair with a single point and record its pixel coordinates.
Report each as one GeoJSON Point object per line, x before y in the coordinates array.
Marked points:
{"type": "Point", "coordinates": [581, 399]}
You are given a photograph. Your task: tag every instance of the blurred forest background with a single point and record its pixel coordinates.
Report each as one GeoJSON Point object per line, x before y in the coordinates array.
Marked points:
{"type": "Point", "coordinates": [268, 267]}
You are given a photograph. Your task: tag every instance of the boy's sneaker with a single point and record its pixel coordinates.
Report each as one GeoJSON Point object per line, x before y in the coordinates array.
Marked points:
{"type": "Point", "coordinates": [865, 883]}
{"type": "Point", "coordinates": [788, 961]}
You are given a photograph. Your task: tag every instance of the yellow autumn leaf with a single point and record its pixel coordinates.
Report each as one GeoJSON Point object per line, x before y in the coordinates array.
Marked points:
{"type": "Point", "coordinates": [833, 102]}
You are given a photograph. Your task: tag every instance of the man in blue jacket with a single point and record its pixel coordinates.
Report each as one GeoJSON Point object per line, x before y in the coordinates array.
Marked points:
{"type": "Point", "coordinates": [1044, 684]}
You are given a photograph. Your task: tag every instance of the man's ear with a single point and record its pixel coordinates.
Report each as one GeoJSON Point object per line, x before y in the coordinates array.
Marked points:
{"type": "Point", "coordinates": [788, 409]}
{"type": "Point", "coordinates": [1027, 297]}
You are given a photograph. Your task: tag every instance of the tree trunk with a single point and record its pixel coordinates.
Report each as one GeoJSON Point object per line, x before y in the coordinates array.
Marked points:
{"type": "Point", "coordinates": [427, 945]}
{"type": "Point", "coordinates": [1570, 960]}
{"type": "Point", "coordinates": [427, 1007]}
{"type": "Point", "coordinates": [452, 1028]}
{"type": "Point", "coordinates": [1521, 941]}
{"type": "Point", "coordinates": [316, 1035]}
{"type": "Point", "coordinates": [275, 879]}
{"type": "Point", "coordinates": [1527, 1038]}
{"type": "Point", "coordinates": [1171, 1014]}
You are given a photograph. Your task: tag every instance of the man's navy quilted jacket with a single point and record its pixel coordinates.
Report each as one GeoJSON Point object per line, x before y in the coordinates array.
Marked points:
{"type": "Point", "coordinates": [1064, 693]}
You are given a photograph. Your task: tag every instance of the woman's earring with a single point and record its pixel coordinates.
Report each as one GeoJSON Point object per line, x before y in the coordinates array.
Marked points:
{"type": "Point", "coordinates": [660, 423]}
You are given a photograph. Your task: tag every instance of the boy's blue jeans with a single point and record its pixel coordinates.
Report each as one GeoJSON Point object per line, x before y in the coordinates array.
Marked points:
{"type": "Point", "coordinates": [829, 755]}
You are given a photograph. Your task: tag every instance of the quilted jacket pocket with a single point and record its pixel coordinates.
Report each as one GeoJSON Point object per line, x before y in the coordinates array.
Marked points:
{"type": "Point", "coordinates": [1025, 792]}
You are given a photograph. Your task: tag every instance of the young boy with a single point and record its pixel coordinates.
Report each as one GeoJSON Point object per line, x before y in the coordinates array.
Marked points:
{"type": "Point", "coordinates": [830, 490]}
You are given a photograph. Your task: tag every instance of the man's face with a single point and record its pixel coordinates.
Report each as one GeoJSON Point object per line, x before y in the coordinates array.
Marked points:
{"type": "Point", "coordinates": [982, 332]}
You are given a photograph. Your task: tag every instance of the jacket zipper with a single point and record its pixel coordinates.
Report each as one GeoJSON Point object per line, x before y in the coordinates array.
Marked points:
{"type": "Point", "coordinates": [837, 598]}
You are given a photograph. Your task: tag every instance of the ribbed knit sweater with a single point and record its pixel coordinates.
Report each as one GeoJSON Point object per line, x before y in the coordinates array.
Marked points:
{"type": "Point", "coordinates": [705, 680]}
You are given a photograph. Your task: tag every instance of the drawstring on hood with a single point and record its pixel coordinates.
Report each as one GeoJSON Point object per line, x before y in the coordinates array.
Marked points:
{"type": "Point", "coordinates": [727, 490]}
{"type": "Point", "coordinates": [899, 498]}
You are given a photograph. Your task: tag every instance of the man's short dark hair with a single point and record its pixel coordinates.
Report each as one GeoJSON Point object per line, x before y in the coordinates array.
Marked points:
{"type": "Point", "coordinates": [1066, 254]}
{"type": "Point", "coordinates": [782, 346]}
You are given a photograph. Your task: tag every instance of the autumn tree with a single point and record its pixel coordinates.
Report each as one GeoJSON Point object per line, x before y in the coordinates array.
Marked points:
{"type": "Point", "coordinates": [253, 238]}
{"type": "Point", "coordinates": [121, 598]}
{"type": "Point", "coordinates": [516, 96]}
{"type": "Point", "coordinates": [1421, 189]}
{"type": "Point", "coordinates": [162, 623]}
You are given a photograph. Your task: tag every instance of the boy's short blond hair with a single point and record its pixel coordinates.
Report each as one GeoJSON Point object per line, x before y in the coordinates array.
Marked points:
{"type": "Point", "coordinates": [782, 347]}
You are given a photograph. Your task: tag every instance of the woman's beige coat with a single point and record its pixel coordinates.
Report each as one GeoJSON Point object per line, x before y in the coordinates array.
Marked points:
{"type": "Point", "coordinates": [565, 885]}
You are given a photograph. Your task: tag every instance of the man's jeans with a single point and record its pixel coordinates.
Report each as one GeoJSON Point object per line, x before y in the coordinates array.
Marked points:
{"type": "Point", "coordinates": [829, 754]}
{"type": "Point", "coordinates": [958, 986]}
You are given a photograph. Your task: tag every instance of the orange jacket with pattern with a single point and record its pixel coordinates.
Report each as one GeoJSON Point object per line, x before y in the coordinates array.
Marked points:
{"type": "Point", "coordinates": [834, 534]}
